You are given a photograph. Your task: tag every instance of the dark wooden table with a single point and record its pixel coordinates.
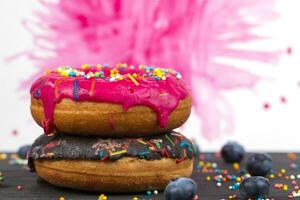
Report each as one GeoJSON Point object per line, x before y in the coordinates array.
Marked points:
{"type": "Point", "coordinates": [19, 183]}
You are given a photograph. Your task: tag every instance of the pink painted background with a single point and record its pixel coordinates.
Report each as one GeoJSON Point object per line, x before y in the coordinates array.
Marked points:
{"type": "Point", "coordinates": [217, 46]}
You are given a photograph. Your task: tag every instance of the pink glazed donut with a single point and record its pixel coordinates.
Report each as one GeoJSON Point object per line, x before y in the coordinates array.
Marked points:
{"type": "Point", "coordinates": [115, 101]}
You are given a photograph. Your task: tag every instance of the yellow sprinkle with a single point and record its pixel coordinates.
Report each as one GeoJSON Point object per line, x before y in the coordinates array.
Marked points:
{"type": "Point", "coordinates": [118, 152]}
{"type": "Point", "coordinates": [132, 79]}
{"type": "Point", "coordinates": [141, 66]}
{"type": "Point", "coordinates": [208, 178]}
{"type": "Point", "coordinates": [238, 179]}
{"type": "Point", "coordinates": [3, 156]}
{"type": "Point", "coordinates": [135, 198]}
{"type": "Point", "coordinates": [85, 66]}
{"type": "Point", "coordinates": [64, 73]}
{"type": "Point", "coordinates": [47, 71]}
{"type": "Point", "coordinates": [102, 197]}
{"type": "Point", "coordinates": [283, 171]}
{"type": "Point", "coordinates": [272, 176]}
{"type": "Point", "coordinates": [114, 71]}
{"type": "Point", "coordinates": [134, 75]}
{"type": "Point", "coordinates": [141, 141]}
{"type": "Point", "coordinates": [61, 198]}
{"type": "Point", "coordinates": [99, 66]}
{"type": "Point", "coordinates": [236, 166]}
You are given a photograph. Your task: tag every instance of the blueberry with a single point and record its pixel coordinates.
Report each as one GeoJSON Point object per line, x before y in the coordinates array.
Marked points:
{"type": "Point", "coordinates": [23, 151]}
{"type": "Point", "coordinates": [181, 189]}
{"type": "Point", "coordinates": [255, 187]}
{"type": "Point", "coordinates": [232, 152]}
{"type": "Point", "coordinates": [259, 164]}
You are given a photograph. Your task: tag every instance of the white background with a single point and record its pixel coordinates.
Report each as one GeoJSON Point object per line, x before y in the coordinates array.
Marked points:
{"type": "Point", "coordinates": [275, 130]}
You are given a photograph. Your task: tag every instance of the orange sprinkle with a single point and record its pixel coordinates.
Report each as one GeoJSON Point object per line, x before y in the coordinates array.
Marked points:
{"type": "Point", "coordinates": [57, 82]}
{"type": "Point", "coordinates": [292, 156]}
{"type": "Point", "coordinates": [99, 66]}
{"type": "Point", "coordinates": [47, 71]}
{"type": "Point", "coordinates": [92, 91]}
{"type": "Point", "coordinates": [50, 154]}
{"type": "Point", "coordinates": [132, 79]}
{"type": "Point", "coordinates": [151, 146]}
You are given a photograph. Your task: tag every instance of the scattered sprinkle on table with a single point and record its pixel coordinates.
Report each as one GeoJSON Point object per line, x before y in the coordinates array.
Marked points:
{"type": "Point", "coordinates": [220, 180]}
{"type": "Point", "coordinates": [1, 178]}
{"type": "Point", "coordinates": [102, 197]}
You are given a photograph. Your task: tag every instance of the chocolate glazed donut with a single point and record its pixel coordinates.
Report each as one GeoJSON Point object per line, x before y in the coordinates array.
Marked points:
{"type": "Point", "coordinates": [112, 165]}
{"type": "Point", "coordinates": [116, 101]}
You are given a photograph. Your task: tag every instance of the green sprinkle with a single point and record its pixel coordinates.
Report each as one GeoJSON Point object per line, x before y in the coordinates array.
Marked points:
{"type": "Point", "coordinates": [169, 139]}
{"type": "Point", "coordinates": [157, 145]}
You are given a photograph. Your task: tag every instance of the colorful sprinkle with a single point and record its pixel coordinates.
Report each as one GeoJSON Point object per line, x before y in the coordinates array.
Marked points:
{"type": "Point", "coordinates": [292, 156]}
{"type": "Point", "coordinates": [236, 166]}
{"type": "Point", "coordinates": [169, 139]}
{"type": "Point", "coordinates": [115, 72]}
{"type": "Point", "coordinates": [141, 141]}
{"type": "Point", "coordinates": [102, 197]}
{"type": "Point", "coordinates": [92, 88]}
{"type": "Point", "coordinates": [118, 152]}
{"type": "Point", "coordinates": [75, 90]}
{"type": "Point", "coordinates": [3, 156]}
{"type": "Point", "coordinates": [132, 79]}
{"type": "Point", "coordinates": [1, 178]}
{"type": "Point", "coordinates": [57, 82]}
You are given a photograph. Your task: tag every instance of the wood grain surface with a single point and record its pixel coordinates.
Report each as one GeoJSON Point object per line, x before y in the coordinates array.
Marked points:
{"type": "Point", "coordinates": [34, 188]}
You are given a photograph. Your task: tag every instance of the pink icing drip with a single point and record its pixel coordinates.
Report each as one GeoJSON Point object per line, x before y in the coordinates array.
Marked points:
{"type": "Point", "coordinates": [162, 96]}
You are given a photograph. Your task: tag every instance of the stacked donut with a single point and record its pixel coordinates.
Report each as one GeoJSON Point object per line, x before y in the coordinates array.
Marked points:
{"type": "Point", "coordinates": [109, 128]}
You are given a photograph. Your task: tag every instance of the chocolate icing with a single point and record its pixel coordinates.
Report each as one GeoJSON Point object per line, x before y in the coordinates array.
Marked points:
{"type": "Point", "coordinates": [68, 147]}
{"type": "Point", "coordinates": [157, 88]}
